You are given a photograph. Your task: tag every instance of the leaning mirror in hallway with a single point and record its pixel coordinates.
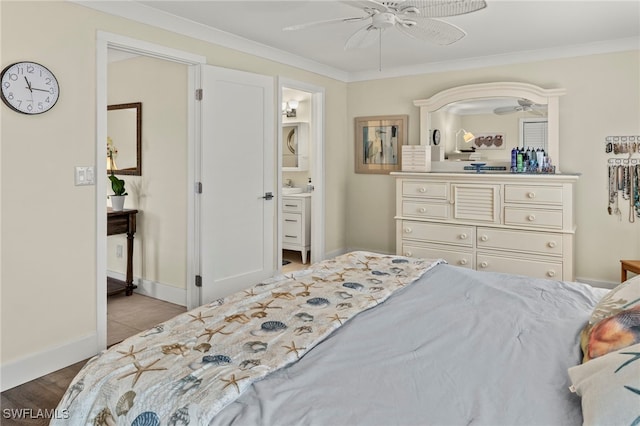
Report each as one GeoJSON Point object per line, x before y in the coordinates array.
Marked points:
{"type": "Point", "coordinates": [124, 139]}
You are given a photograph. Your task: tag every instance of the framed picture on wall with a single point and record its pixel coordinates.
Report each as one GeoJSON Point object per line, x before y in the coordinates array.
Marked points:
{"type": "Point", "coordinates": [377, 143]}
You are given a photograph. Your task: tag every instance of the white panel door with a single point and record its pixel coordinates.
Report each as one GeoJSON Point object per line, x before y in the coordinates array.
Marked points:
{"type": "Point", "coordinates": [237, 226]}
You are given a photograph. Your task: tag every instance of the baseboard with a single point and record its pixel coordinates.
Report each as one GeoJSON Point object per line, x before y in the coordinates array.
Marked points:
{"type": "Point", "coordinates": [598, 283]}
{"type": "Point", "coordinates": [156, 290]}
{"type": "Point", "coordinates": [31, 367]}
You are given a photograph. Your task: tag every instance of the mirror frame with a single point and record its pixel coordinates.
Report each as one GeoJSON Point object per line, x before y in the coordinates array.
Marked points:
{"type": "Point", "coordinates": [137, 171]}
{"type": "Point", "coordinates": [538, 95]}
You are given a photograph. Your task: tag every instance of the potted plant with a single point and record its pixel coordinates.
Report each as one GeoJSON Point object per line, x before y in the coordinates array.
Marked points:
{"type": "Point", "coordinates": [119, 192]}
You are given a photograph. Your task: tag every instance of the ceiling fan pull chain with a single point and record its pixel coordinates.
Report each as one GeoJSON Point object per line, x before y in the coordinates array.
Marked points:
{"type": "Point", "coordinates": [380, 49]}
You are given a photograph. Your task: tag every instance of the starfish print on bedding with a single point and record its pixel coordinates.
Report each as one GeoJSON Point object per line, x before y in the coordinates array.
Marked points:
{"type": "Point", "coordinates": [130, 353]}
{"type": "Point", "coordinates": [294, 348]}
{"type": "Point", "coordinates": [372, 299]}
{"type": "Point", "coordinates": [338, 318]}
{"type": "Point", "coordinates": [249, 293]}
{"type": "Point", "coordinates": [306, 291]}
{"type": "Point", "coordinates": [265, 306]}
{"type": "Point", "coordinates": [199, 317]}
{"type": "Point", "coordinates": [340, 277]}
{"type": "Point", "coordinates": [209, 332]}
{"type": "Point", "coordinates": [141, 369]}
{"type": "Point", "coordinates": [233, 381]}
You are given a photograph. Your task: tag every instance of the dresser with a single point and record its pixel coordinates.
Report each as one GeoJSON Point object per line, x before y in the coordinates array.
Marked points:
{"type": "Point", "coordinates": [296, 223]}
{"type": "Point", "coordinates": [503, 222]}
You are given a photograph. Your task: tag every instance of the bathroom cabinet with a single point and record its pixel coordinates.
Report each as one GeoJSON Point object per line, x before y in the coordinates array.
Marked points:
{"type": "Point", "coordinates": [296, 223]}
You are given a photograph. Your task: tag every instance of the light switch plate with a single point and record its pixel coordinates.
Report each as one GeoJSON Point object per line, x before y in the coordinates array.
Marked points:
{"type": "Point", "coordinates": [85, 175]}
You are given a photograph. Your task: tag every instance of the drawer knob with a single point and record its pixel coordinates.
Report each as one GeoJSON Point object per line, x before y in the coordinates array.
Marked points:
{"type": "Point", "coordinates": [463, 236]}
{"type": "Point", "coordinates": [463, 261]}
{"type": "Point", "coordinates": [484, 238]}
{"type": "Point", "coordinates": [484, 264]}
{"type": "Point", "coordinates": [408, 253]}
{"type": "Point", "coordinates": [422, 189]}
{"type": "Point", "coordinates": [422, 210]}
{"type": "Point", "coordinates": [531, 195]}
{"type": "Point", "coordinates": [551, 244]}
{"type": "Point", "coordinates": [551, 273]}
{"type": "Point", "coordinates": [407, 230]}
{"type": "Point", "coordinates": [531, 217]}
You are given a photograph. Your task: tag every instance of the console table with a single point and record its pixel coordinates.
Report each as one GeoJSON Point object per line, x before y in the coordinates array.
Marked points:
{"type": "Point", "coordinates": [122, 222]}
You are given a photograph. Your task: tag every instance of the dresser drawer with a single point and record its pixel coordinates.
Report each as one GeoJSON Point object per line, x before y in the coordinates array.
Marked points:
{"type": "Point", "coordinates": [533, 217]}
{"type": "Point", "coordinates": [530, 267]}
{"type": "Point", "coordinates": [292, 205]}
{"type": "Point", "coordinates": [291, 228]}
{"type": "Point", "coordinates": [521, 241]}
{"type": "Point", "coordinates": [453, 257]}
{"type": "Point", "coordinates": [434, 190]}
{"type": "Point", "coordinates": [438, 233]}
{"type": "Point", "coordinates": [425, 210]}
{"type": "Point", "coordinates": [533, 194]}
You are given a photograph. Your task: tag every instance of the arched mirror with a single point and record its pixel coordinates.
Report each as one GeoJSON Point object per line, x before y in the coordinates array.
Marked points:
{"type": "Point", "coordinates": [124, 139]}
{"type": "Point", "coordinates": [483, 122]}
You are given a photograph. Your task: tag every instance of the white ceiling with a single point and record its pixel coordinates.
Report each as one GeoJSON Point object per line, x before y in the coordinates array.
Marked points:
{"type": "Point", "coordinates": [506, 31]}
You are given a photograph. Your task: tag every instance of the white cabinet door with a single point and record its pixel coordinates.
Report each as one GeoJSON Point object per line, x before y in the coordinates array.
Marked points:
{"type": "Point", "coordinates": [237, 232]}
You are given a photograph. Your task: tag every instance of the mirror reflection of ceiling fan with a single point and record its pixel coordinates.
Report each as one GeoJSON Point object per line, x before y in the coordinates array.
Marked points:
{"type": "Point", "coordinates": [524, 105]}
{"type": "Point", "coordinates": [413, 18]}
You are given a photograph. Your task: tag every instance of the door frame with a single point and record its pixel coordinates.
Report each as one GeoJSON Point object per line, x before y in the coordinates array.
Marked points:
{"type": "Point", "coordinates": [104, 42]}
{"type": "Point", "coordinates": [317, 167]}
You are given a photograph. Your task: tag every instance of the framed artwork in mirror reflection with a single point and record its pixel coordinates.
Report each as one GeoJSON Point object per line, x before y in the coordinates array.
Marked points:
{"type": "Point", "coordinates": [377, 143]}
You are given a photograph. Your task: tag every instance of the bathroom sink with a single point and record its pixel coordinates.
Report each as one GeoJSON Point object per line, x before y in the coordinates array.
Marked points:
{"type": "Point", "coordinates": [288, 190]}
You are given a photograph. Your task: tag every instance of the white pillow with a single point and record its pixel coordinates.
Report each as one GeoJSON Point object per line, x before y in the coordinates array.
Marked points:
{"type": "Point", "coordinates": [610, 388]}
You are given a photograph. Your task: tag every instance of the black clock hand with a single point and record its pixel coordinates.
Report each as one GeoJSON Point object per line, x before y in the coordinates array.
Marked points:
{"type": "Point", "coordinates": [42, 90]}
{"type": "Point", "coordinates": [28, 84]}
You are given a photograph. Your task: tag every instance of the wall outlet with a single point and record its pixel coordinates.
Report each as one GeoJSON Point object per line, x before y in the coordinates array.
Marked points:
{"type": "Point", "coordinates": [119, 250]}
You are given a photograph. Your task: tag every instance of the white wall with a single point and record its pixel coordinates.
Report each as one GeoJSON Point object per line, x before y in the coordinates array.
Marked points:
{"type": "Point", "coordinates": [603, 98]}
{"type": "Point", "coordinates": [159, 194]}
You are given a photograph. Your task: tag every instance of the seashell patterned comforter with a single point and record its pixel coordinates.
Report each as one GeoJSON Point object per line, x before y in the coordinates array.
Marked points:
{"type": "Point", "coordinates": [186, 370]}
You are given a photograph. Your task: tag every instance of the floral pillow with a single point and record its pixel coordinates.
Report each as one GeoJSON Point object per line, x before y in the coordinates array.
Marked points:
{"type": "Point", "coordinates": [615, 321]}
{"type": "Point", "coordinates": [610, 388]}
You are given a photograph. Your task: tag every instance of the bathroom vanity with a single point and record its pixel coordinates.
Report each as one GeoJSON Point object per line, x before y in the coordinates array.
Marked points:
{"type": "Point", "coordinates": [296, 223]}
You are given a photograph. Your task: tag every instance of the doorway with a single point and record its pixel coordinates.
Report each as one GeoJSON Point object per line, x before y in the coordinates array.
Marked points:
{"type": "Point", "coordinates": [148, 255]}
{"type": "Point", "coordinates": [300, 151]}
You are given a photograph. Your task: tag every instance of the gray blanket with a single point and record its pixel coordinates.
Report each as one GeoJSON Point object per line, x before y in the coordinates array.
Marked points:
{"type": "Point", "coordinates": [458, 347]}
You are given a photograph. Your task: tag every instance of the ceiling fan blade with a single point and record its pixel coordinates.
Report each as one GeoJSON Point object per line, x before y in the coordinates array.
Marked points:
{"type": "Point", "coordinates": [525, 102]}
{"type": "Point", "coordinates": [367, 4]}
{"type": "Point", "coordinates": [432, 30]}
{"type": "Point", "coordinates": [443, 8]}
{"type": "Point", "coordinates": [364, 37]}
{"type": "Point", "coordinates": [505, 110]}
{"type": "Point", "coordinates": [329, 21]}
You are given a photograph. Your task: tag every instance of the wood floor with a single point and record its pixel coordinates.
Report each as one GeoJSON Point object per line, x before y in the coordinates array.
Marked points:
{"type": "Point", "coordinates": [126, 316]}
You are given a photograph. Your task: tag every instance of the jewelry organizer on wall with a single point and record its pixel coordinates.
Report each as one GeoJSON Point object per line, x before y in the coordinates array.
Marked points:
{"type": "Point", "coordinates": [624, 175]}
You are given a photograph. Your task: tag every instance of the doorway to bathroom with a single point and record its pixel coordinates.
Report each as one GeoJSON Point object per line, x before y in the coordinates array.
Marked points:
{"type": "Point", "coordinates": [301, 166]}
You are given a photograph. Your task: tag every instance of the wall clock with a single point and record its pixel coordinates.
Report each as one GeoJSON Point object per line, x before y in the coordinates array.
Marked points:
{"type": "Point", "coordinates": [436, 137]}
{"type": "Point", "coordinates": [29, 88]}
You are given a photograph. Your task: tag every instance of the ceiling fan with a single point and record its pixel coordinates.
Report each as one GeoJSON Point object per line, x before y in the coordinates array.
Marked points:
{"type": "Point", "coordinates": [524, 105]}
{"type": "Point", "coordinates": [413, 18]}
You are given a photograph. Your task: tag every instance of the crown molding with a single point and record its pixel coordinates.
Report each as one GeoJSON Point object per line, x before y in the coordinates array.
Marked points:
{"type": "Point", "coordinates": [525, 56]}
{"type": "Point", "coordinates": [150, 16]}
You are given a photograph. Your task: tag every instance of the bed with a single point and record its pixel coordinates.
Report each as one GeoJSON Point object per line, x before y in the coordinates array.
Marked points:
{"type": "Point", "coordinates": [368, 339]}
